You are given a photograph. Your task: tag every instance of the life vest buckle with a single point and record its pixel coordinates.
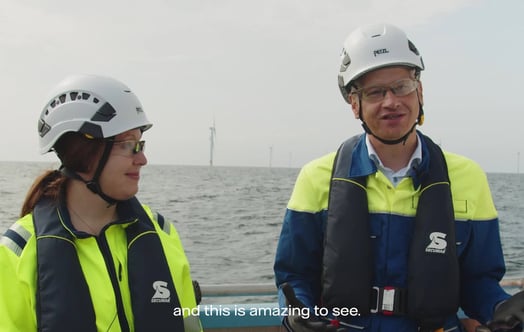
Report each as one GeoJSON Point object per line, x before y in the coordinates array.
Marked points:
{"type": "Point", "coordinates": [388, 300]}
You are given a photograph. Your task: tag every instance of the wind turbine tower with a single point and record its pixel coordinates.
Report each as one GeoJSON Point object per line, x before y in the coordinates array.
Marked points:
{"type": "Point", "coordinates": [271, 156]}
{"type": "Point", "coordinates": [212, 136]}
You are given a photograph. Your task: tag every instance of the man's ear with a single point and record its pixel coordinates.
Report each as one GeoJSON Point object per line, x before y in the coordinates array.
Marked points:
{"type": "Point", "coordinates": [420, 93]}
{"type": "Point", "coordinates": [355, 104]}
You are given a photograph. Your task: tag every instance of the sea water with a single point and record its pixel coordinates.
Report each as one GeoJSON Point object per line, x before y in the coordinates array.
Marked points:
{"type": "Point", "coordinates": [229, 218]}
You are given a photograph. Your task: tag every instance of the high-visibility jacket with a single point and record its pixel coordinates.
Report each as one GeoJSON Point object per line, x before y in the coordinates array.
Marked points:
{"type": "Point", "coordinates": [392, 210]}
{"type": "Point", "coordinates": [104, 265]}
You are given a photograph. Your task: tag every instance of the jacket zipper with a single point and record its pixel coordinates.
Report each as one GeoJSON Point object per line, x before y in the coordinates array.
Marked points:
{"type": "Point", "coordinates": [120, 271]}
{"type": "Point", "coordinates": [108, 258]}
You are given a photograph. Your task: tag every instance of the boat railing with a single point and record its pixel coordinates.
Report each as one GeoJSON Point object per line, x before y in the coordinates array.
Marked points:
{"type": "Point", "coordinates": [224, 290]}
{"type": "Point", "coordinates": [240, 307]}
{"type": "Point", "coordinates": [254, 307]}
{"type": "Point", "coordinates": [269, 289]}
{"type": "Point", "coordinates": [513, 282]}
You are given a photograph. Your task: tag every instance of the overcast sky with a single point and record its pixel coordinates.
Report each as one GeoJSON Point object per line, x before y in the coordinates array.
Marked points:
{"type": "Point", "coordinates": [265, 72]}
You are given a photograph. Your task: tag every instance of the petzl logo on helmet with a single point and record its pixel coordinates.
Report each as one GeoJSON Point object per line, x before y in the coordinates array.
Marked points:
{"type": "Point", "coordinates": [162, 294]}
{"type": "Point", "coordinates": [380, 51]}
{"type": "Point", "coordinates": [438, 243]}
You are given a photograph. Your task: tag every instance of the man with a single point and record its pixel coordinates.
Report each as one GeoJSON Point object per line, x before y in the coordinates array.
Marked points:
{"type": "Point", "coordinates": [390, 233]}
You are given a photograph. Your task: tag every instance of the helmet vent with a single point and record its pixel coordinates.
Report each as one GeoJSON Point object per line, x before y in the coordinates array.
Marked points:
{"type": "Point", "coordinates": [346, 61]}
{"type": "Point", "coordinates": [105, 113]}
{"type": "Point", "coordinates": [43, 128]}
{"type": "Point", "coordinates": [412, 47]}
{"type": "Point", "coordinates": [73, 96]}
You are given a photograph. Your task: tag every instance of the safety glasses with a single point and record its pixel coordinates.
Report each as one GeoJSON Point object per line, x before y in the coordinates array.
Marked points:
{"type": "Point", "coordinates": [399, 88]}
{"type": "Point", "coordinates": [128, 148]}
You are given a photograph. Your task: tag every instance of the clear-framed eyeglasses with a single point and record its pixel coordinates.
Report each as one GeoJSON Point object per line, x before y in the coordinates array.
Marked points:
{"type": "Point", "coordinates": [128, 148]}
{"type": "Point", "coordinates": [400, 88]}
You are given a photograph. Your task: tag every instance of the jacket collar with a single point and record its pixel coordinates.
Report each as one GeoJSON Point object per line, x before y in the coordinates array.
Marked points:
{"type": "Point", "coordinates": [128, 212]}
{"type": "Point", "coordinates": [363, 165]}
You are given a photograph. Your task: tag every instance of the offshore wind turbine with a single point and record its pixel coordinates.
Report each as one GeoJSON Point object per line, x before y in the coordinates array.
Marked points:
{"type": "Point", "coordinates": [212, 137]}
{"type": "Point", "coordinates": [270, 156]}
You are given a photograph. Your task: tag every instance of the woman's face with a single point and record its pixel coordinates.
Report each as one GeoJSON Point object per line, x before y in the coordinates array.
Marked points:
{"type": "Point", "coordinates": [120, 176]}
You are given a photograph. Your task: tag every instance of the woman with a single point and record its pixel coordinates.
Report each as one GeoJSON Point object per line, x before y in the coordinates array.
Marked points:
{"type": "Point", "coordinates": [85, 254]}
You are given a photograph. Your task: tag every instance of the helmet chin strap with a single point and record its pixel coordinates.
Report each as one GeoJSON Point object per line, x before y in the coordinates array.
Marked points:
{"type": "Point", "coordinates": [403, 139]}
{"type": "Point", "coordinates": [94, 183]}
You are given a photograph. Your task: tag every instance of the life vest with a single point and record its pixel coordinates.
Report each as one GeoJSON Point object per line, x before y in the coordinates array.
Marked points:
{"type": "Point", "coordinates": [63, 300]}
{"type": "Point", "coordinates": [432, 291]}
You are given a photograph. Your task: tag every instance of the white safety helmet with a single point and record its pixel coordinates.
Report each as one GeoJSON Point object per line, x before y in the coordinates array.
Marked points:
{"type": "Point", "coordinates": [97, 106]}
{"type": "Point", "coordinates": [372, 47]}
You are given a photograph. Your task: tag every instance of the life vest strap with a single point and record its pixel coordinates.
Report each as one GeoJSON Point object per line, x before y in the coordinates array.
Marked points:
{"type": "Point", "coordinates": [392, 301]}
{"type": "Point", "coordinates": [388, 300]}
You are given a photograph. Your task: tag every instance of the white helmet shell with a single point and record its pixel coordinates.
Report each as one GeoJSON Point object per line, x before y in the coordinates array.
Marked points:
{"type": "Point", "coordinates": [100, 107]}
{"type": "Point", "coordinates": [372, 47]}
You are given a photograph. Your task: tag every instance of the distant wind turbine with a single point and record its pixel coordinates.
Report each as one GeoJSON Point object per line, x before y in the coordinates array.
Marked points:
{"type": "Point", "coordinates": [212, 137]}
{"type": "Point", "coordinates": [271, 156]}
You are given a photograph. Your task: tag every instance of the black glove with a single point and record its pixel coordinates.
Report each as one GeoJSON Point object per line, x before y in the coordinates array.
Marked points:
{"type": "Point", "coordinates": [298, 323]}
{"type": "Point", "coordinates": [507, 316]}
